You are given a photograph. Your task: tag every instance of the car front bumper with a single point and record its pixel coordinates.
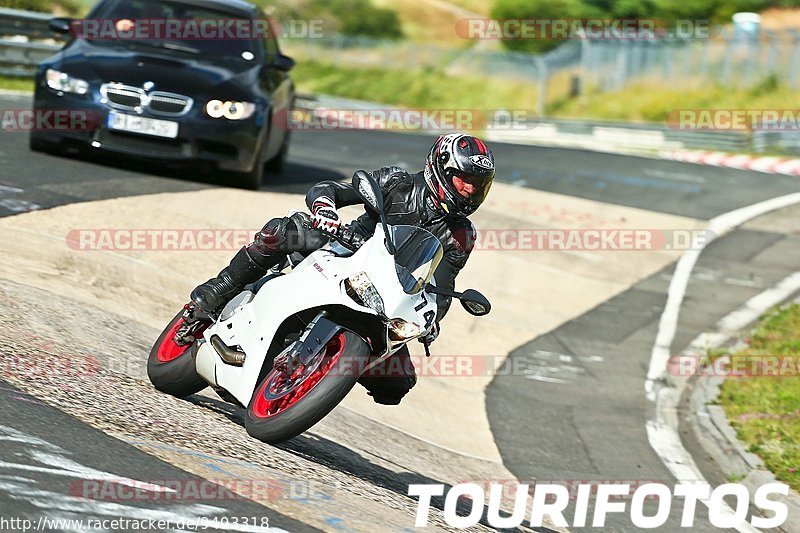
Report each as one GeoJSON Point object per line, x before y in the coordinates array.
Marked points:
{"type": "Point", "coordinates": [228, 145]}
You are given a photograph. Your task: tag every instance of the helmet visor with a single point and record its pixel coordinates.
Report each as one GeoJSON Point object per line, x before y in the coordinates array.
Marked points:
{"type": "Point", "coordinates": [471, 189]}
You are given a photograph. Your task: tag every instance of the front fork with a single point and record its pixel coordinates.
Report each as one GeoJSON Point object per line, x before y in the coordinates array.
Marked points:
{"type": "Point", "coordinates": [302, 351]}
{"type": "Point", "coordinates": [194, 322]}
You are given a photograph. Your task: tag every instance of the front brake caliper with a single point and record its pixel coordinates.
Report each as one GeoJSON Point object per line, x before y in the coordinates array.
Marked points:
{"type": "Point", "coordinates": [192, 322]}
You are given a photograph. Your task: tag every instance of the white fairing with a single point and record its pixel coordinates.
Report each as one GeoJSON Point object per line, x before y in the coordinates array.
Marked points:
{"type": "Point", "coordinates": [316, 282]}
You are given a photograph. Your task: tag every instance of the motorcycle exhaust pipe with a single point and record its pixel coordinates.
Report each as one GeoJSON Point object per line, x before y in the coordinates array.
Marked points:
{"type": "Point", "coordinates": [228, 354]}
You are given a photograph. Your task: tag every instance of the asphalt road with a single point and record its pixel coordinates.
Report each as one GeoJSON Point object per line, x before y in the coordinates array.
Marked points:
{"type": "Point", "coordinates": [587, 428]}
{"type": "Point", "coordinates": [31, 180]}
{"type": "Point", "coordinates": [53, 462]}
{"type": "Point", "coordinates": [578, 412]}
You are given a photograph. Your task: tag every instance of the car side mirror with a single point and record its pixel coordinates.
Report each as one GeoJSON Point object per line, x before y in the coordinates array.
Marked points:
{"type": "Point", "coordinates": [475, 303]}
{"type": "Point", "coordinates": [61, 24]}
{"type": "Point", "coordinates": [284, 63]}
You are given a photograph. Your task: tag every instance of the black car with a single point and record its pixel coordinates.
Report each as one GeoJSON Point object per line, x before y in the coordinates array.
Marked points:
{"type": "Point", "coordinates": [215, 101]}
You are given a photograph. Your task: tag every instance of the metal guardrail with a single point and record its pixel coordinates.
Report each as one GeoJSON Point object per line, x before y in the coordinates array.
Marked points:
{"type": "Point", "coordinates": [19, 53]}
{"type": "Point", "coordinates": [20, 59]}
{"type": "Point", "coordinates": [27, 23]}
{"type": "Point", "coordinates": [648, 138]}
{"type": "Point", "coordinates": [660, 135]}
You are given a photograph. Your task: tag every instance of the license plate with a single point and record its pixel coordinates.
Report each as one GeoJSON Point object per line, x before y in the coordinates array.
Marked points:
{"type": "Point", "coordinates": [143, 125]}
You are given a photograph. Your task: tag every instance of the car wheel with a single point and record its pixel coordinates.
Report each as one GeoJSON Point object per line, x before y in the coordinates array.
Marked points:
{"type": "Point", "coordinates": [37, 144]}
{"type": "Point", "coordinates": [252, 180]}
{"type": "Point", "coordinates": [277, 163]}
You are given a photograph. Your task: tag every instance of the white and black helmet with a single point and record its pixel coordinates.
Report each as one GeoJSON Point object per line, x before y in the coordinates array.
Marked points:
{"type": "Point", "coordinates": [469, 161]}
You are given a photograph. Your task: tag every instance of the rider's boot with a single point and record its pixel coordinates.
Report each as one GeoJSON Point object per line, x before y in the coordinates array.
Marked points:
{"type": "Point", "coordinates": [212, 295]}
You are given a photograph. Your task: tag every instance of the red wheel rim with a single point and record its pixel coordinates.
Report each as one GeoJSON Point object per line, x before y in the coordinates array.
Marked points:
{"type": "Point", "coordinates": [266, 407]}
{"type": "Point", "coordinates": [169, 350]}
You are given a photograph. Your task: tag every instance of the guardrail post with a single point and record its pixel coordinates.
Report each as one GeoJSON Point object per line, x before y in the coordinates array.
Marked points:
{"type": "Point", "coordinates": [544, 79]}
{"type": "Point", "coordinates": [794, 62]}
{"type": "Point", "coordinates": [750, 61]}
{"type": "Point", "coordinates": [727, 58]}
{"type": "Point", "coordinates": [772, 57]}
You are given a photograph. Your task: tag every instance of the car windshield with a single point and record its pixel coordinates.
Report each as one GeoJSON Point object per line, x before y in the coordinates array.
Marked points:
{"type": "Point", "coordinates": [175, 27]}
{"type": "Point", "coordinates": [418, 254]}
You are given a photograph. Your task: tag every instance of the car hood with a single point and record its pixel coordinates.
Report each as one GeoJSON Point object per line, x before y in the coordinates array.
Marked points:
{"type": "Point", "coordinates": [168, 72]}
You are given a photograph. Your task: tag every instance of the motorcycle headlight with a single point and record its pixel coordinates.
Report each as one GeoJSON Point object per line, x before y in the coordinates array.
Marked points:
{"type": "Point", "coordinates": [60, 81]}
{"type": "Point", "coordinates": [363, 292]}
{"type": "Point", "coordinates": [230, 109]}
{"type": "Point", "coordinates": [400, 330]}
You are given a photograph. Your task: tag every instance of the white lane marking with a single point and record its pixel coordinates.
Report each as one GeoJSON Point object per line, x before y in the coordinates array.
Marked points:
{"type": "Point", "coordinates": [553, 367]}
{"type": "Point", "coordinates": [757, 305]}
{"type": "Point", "coordinates": [57, 463]}
{"type": "Point", "coordinates": [13, 204]}
{"type": "Point", "coordinates": [662, 431]}
{"type": "Point", "coordinates": [6, 188]}
{"type": "Point", "coordinates": [680, 176]}
{"type": "Point", "coordinates": [668, 324]}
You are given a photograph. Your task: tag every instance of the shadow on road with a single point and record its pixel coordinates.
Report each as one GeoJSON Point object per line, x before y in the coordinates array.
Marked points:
{"type": "Point", "coordinates": [295, 178]}
{"type": "Point", "coordinates": [330, 454]}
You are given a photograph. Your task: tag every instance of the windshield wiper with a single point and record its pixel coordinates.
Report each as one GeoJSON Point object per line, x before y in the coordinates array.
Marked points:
{"type": "Point", "coordinates": [166, 46]}
{"type": "Point", "coordinates": [179, 48]}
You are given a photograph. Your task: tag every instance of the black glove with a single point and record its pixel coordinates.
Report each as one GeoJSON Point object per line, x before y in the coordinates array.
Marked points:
{"type": "Point", "coordinates": [431, 336]}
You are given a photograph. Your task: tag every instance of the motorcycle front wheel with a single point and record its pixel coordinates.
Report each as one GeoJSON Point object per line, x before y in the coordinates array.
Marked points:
{"type": "Point", "coordinates": [285, 406]}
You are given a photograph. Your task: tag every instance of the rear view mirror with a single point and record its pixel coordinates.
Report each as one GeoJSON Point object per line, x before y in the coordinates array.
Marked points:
{"type": "Point", "coordinates": [475, 303]}
{"type": "Point", "coordinates": [368, 190]}
{"type": "Point", "coordinates": [284, 63]}
{"type": "Point", "coordinates": [61, 24]}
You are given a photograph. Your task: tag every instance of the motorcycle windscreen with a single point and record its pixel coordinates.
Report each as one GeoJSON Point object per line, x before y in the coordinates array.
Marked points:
{"type": "Point", "coordinates": [418, 254]}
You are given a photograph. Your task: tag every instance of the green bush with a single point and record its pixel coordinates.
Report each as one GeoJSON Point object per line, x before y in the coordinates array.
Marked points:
{"type": "Point", "coordinates": [540, 9]}
{"type": "Point", "coordinates": [72, 7]}
{"type": "Point", "coordinates": [668, 11]}
{"type": "Point", "coordinates": [361, 17]}
{"type": "Point", "coordinates": [349, 17]}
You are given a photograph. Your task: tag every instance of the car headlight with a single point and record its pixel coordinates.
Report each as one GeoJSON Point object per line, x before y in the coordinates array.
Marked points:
{"type": "Point", "coordinates": [230, 109]}
{"type": "Point", "coordinates": [400, 330]}
{"type": "Point", "coordinates": [60, 81]}
{"type": "Point", "coordinates": [363, 292]}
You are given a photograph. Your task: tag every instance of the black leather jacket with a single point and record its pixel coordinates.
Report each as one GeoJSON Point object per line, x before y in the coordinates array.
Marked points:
{"type": "Point", "coordinates": [408, 201]}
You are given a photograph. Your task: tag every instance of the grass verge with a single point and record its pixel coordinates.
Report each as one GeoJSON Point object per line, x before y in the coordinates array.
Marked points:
{"type": "Point", "coordinates": [414, 89]}
{"type": "Point", "coordinates": [765, 411]}
{"type": "Point", "coordinates": [16, 84]}
{"type": "Point", "coordinates": [647, 101]}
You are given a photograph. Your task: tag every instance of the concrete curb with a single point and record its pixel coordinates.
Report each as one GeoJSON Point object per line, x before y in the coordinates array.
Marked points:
{"type": "Point", "coordinates": [718, 438]}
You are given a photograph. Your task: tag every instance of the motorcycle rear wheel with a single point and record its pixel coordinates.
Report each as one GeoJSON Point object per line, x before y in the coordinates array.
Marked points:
{"type": "Point", "coordinates": [171, 367]}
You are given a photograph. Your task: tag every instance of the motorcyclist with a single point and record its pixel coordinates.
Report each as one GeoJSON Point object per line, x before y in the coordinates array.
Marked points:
{"type": "Point", "coordinates": [457, 177]}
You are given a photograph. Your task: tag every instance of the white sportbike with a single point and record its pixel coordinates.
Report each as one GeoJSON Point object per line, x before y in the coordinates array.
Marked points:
{"type": "Point", "coordinates": [291, 346]}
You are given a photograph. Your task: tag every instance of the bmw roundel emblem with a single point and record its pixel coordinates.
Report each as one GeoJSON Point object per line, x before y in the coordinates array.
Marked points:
{"type": "Point", "coordinates": [148, 86]}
